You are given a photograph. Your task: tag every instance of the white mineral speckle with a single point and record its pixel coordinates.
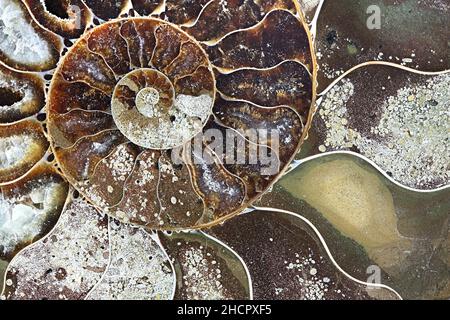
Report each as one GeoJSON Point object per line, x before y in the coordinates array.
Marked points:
{"type": "Point", "coordinates": [308, 5]}
{"type": "Point", "coordinates": [69, 262]}
{"type": "Point", "coordinates": [184, 119]}
{"type": "Point", "coordinates": [138, 268]}
{"type": "Point", "coordinates": [200, 278]}
{"type": "Point", "coordinates": [411, 141]}
{"type": "Point", "coordinates": [13, 150]}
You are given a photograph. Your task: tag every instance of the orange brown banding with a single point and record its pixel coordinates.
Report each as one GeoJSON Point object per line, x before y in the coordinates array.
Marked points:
{"type": "Point", "coordinates": [21, 95]}
{"type": "Point", "coordinates": [68, 18]}
{"type": "Point", "coordinates": [22, 145]}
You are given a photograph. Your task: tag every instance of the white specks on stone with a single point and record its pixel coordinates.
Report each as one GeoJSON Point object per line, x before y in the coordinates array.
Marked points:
{"type": "Point", "coordinates": [407, 60]}
{"type": "Point", "coordinates": [120, 163]}
{"type": "Point", "coordinates": [160, 126]}
{"type": "Point", "coordinates": [201, 281]}
{"type": "Point", "coordinates": [138, 270]}
{"type": "Point", "coordinates": [411, 139]}
{"type": "Point", "coordinates": [194, 106]}
{"type": "Point", "coordinates": [68, 263]}
{"type": "Point", "coordinates": [322, 148]}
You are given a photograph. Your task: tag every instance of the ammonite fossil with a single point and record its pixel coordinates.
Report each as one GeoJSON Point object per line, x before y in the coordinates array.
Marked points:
{"type": "Point", "coordinates": [180, 149]}
{"type": "Point", "coordinates": [131, 98]}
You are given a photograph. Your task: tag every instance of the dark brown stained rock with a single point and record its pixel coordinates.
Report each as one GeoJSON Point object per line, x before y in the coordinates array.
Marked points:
{"type": "Point", "coordinates": [146, 7]}
{"type": "Point", "coordinates": [168, 46]}
{"type": "Point", "coordinates": [279, 37]}
{"type": "Point", "coordinates": [141, 41]}
{"type": "Point", "coordinates": [412, 33]}
{"type": "Point", "coordinates": [68, 128]}
{"type": "Point", "coordinates": [181, 205]}
{"type": "Point", "coordinates": [246, 157]}
{"type": "Point", "coordinates": [184, 11]}
{"type": "Point", "coordinates": [288, 84]}
{"type": "Point", "coordinates": [107, 42]}
{"type": "Point", "coordinates": [82, 65]}
{"type": "Point", "coordinates": [198, 82]}
{"type": "Point", "coordinates": [66, 96]}
{"type": "Point", "coordinates": [217, 20]}
{"type": "Point", "coordinates": [78, 162]}
{"type": "Point", "coordinates": [190, 58]}
{"type": "Point", "coordinates": [106, 9]}
{"type": "Point", "coordinates": [280, 121]}
{"type": "Point", "coordinates": [222, 192]}
{"type": "Point", "coordinates": [287, 261]}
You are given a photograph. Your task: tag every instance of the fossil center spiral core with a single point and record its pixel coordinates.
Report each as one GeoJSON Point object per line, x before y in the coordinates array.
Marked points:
{"type": "Point", "coordinates": [147, 111]}
{"type": "Point", "coordinates": [146, 101]}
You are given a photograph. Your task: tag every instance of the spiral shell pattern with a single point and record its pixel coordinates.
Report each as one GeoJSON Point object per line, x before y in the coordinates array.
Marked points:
{"type": "Point", "coordinates": [133, 101]}
{"type": "Point", "coordinates": [124, 120]}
